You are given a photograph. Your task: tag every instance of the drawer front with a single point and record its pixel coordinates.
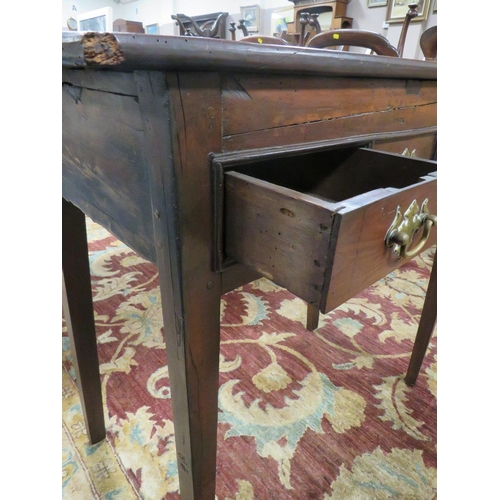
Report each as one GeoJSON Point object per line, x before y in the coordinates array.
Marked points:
{"type": "Point", "coordinates": [283, 110]}
{"type": "Point", "coordinates": [421, 146]}
{"type": "Point", "coordinates": [324, 251]}
{"type": "Point", "coordinates": [360, 255]}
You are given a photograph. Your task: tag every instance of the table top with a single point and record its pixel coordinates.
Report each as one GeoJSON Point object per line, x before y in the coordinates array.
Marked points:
{"type": "Point", "coordinates": [132, 51]}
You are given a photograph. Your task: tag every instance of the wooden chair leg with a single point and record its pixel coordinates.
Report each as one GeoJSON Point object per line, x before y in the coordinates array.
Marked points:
{"type": "Point", "coordinates": [425, 328]}
{"type": "Point", "coordinates": [312, 321]}
{"type": "Point", "coordinates": [79, 314]}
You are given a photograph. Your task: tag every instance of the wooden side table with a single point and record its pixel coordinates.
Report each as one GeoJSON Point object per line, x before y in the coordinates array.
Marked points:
{"type": "Point", "coordinates": [160, 132]}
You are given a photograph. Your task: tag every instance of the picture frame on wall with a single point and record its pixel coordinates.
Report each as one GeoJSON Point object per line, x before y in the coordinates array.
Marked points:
{"type": "Point", "coordinates": [250, 16]}
{"type": "Point", "coordinates": [96, 20]}
{"type": "Point", "coordinates": [398, 9]}
{"type": "Point", "coordinates": [377, 3]}
{"type": "Point", "coordinates": [153, 29]}
{"type": "Point", "coordinates": [280, 19]}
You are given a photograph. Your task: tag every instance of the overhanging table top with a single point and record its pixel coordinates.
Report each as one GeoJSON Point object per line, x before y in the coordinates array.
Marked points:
{"type": "Point", "coordinates": [129, 52]}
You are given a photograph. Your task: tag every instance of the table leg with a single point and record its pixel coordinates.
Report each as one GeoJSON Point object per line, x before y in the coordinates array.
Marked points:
{"type": "Point", "coordinates": [79, 314]}
{"type": "Point", "coordinates": [190, 291]}
{"type": "Point", "coordinates": [312, 321]}
{"type": "Point", "coordinates": [425, 328]}
{"type": "Point", "coordinates": [191, 329]}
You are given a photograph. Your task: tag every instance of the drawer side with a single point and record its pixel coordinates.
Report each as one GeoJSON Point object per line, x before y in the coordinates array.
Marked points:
{"type": "Point", "coordinates": [104, 170]}
{"type": "Point", "coordinates": [281, 234]}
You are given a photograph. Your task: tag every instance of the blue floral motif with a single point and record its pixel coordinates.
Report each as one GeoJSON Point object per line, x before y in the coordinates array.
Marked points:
{"type": "Point", "coordinates": [111, 495]}
{"type": "Point", "coordinates": [69, 465]}
{"type": "Point", "coordinates": [292, 431]}
{"type": "Point", "coordinates": [262, 312]}
{"type": "Point", "coordinates": [90, 449]}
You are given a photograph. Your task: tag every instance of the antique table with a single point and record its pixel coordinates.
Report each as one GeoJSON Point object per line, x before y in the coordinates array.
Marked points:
{"type": "Point", "coordinates": [222, 161]}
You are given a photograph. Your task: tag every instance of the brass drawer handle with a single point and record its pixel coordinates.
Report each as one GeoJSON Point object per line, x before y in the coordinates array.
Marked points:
{"type": "Point", "coordinates": [406, 152]}
{"type": "Point", "coordinates": [404, 227]}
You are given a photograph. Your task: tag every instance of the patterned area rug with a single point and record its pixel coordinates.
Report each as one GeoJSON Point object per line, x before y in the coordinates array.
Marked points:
{"type": "Point", "coordinates": [302, 415]}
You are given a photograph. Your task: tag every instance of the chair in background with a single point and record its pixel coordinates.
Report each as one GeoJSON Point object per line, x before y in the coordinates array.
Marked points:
{"type": "Point", "coordinates": [241, 26]}
{"type": "Point", "coordinates": [412, 13]}
{"type": "Point", "coordinates": [356, 38]}
{"type": "Point", "coordinates": [428, 44]}
{"type": "Point", "coordinates": [361, 38]}
{"type": "Point", "coordinates": [205, 26]}
{"type": "Point", "coordinates": [305, 21]}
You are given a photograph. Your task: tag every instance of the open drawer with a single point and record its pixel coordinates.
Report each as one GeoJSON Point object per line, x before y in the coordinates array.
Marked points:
{"type": "Point", "coordinates": [326, 225]}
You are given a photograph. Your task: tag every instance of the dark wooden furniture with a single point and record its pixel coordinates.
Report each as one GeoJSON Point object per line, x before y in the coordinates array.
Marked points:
{"type": "Point", "coordinates": [362, 38]}
{"type": "Point", "coordinates": [206, 25]}
{"type": "Point", "coordinates": [165, 138]}
{"type": "Point", "coordinates": [425, 328]}
{"type": "Point", "coordinates": [337, 8]}
{"type": "Point", "coordinates": [428, 43]}
{"type": "Point", "coordinates": [356, 38]}
{"type": "Point", "coordinates": [310, 26]}
{"type": "Point", "coordinates": [418, 146]}
{"type": "Point", "coordinates": [124, 26]}
{"type": "Point", "coordinates": [79, 314]}
{"type": "Point", "coordinates": [411, 14]}
{"type": "Point", "coordinates": [308, 222]}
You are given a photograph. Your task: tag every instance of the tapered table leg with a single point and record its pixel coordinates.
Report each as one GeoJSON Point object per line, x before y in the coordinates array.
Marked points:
{"type": "Point", "coordinates": [312, 321]}
{"type": "Point", "coordinates": [425, 328]}
{"type": "Point", "coordinates": [192, 340]}
{"type": "Point", "coordinates": [180, 182]}
{"type": "Point", "coordinates": [79, 314]}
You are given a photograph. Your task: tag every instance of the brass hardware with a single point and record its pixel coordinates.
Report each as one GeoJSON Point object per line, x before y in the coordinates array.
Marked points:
{"type": "Point", "coordinates": [406, 152]}
{"type": "Point", "coordinates": [404, 227]}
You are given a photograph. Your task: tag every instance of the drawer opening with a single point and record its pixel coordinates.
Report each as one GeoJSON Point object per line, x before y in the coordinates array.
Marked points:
{"type": "Point", "coordinates": [339, 174]}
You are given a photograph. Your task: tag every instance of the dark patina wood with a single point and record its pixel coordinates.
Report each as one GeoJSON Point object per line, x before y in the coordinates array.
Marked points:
{"type": "Point", "coordinates": [103, 156]}
{"type": "Point", "coordinates": [276, 111]}
{"type": "Point", "coordinates": [356, 38]}
{"type": "Point", "coordinates": [128, 52]}
{"type": "Point", "coordinates": [79, 313]}
{"type": "Point", "coordinates": [428, 43]}
{"type": "Point", "coordinates": [190, 290]}
{"type": "Point", "coordinates": [425, 328]}
{"type": "Point", "coordinates": [418, 146]}
{"type": "Point", "coordinates": [411, 14]}
{"type": "Point", "coordinates": [150, 126]}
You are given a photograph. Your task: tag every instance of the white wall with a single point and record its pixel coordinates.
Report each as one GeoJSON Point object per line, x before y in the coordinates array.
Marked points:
{"type": "Point", "coordinates": [159, 11]}
{"type": "Point", "coordinates": [145, 11]}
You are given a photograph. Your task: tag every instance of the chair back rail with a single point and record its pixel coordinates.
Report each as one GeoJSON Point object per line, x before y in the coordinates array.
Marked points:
{"type": "Point", "coordinates": [356, 38]}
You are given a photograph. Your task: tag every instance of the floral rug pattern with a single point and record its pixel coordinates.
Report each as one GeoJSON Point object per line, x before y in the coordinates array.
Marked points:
{"type": "Point", "coordinates": [302, 415]}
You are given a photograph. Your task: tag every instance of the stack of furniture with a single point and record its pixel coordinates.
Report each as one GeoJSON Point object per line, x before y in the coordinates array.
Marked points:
{"type": "Point", "coordinates": [305, 17]}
